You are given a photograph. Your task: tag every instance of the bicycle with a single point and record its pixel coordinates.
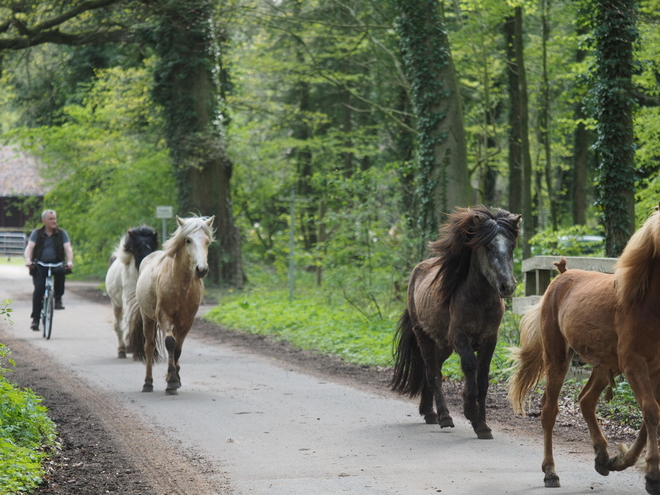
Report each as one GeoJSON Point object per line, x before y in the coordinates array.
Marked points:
{"type": "Point", "coordinates": [48, 306]}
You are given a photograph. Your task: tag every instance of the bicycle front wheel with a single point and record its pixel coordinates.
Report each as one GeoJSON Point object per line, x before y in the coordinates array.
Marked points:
{"type": "Point", "coordinates": [49, 306]}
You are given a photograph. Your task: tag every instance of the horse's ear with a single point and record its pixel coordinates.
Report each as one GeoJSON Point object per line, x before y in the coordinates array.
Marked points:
{"type": "Point", "coordinates": [179, 221]}
{"type": "Point", "coordinates": [477, 220]}
{"type": "Point", "coordinates": [209, 222]}
{"type": "Point", "coordinates": [517, 219]}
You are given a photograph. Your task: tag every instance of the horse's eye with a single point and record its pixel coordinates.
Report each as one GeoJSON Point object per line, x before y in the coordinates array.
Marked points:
{"type": "Point", "coordinates": [188, 241]}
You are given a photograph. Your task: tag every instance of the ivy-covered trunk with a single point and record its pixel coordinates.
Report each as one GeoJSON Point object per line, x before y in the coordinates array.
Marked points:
{"type": "Point", "coordinates": [615, 32]}
{"type": "Point", "coordinates": [442, 175]}
{"type": "Point", "coordinates": [187, 86]}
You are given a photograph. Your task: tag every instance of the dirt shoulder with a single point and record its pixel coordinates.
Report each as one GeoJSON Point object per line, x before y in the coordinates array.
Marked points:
{"type": "Point", "coordinates": [105, 450]}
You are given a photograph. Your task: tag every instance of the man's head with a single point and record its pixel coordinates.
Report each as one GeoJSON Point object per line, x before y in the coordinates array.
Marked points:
{"type": "Point", "coordinates": [49, 219]}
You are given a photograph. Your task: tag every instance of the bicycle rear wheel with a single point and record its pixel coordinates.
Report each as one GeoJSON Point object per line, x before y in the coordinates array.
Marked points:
{"type": "Point", "coordinates": [49, 306]}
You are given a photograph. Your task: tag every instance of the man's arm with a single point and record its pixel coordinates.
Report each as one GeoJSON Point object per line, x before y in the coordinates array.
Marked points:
{"type": "Point", "coordinates": [69, 254]}
{"type": "Point", "coordinates": [28, 253]}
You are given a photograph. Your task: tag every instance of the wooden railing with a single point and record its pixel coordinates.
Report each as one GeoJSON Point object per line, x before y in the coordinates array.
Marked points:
{"type": "Point", "coordinates": [540, 270]}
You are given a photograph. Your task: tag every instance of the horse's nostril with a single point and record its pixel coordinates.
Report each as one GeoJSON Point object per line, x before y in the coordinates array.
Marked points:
{"type": "Point", "coordinates": [201, 272]}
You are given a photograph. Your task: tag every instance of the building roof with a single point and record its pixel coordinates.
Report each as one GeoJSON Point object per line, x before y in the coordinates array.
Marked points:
{"type": "Point", "coordinates": [19, 174]}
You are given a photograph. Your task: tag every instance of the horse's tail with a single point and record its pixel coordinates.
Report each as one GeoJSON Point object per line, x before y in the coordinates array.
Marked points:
{"type": "Point", "coordinates": [409, 374]}
{"type": "Point", "coordinates": [528, 359]}
{"type": "Point", "coordinates": [135, 333]}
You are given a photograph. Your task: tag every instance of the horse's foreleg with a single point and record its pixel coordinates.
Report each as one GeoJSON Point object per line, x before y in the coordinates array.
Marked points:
{"type": "Point", "coordinates": [149, 330]}
{"type": "Point", "coordinates": [173, 382]}
{"type": "Point", "coordinates": [555, 373]}
{"type": "Point", "coordinates": [433, 358]}
{"type": "Point", "coordinates": [588, 400]}
{"type": "Point", "coordinates": [636, 371]}
{"type": "Point", "coordinates": [469, 365]}
{"type": "Point", "coordinates": [484, 357]}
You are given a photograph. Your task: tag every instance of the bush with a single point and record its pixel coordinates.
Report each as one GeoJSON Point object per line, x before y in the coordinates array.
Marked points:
{"type": "Point", "coordinates": [26, 435]}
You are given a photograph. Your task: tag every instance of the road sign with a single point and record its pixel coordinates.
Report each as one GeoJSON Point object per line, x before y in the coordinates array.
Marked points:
{"type": "Point", "coordinates": [163, 212]}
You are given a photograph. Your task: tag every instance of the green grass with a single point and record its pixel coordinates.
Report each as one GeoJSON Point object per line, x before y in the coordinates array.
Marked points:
{"type": "Point", "coordinates": [324, 322]}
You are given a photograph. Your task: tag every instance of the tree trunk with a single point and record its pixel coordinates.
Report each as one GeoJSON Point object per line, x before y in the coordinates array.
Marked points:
{"type": "Point", "coordinates": [582, 138]}
{"type": "Point", "coordinates": [442, 175]}
{"type": "Point", "coordinates": [515, 150]}
{"type": "Point", "coordinates": [615, 33]}
{"type": "Point", "coordinates": [544, 117]}
{"type": "Point", "coordinates": [188, 89]}
{"type": "Point", "coordinates": [521, 164]}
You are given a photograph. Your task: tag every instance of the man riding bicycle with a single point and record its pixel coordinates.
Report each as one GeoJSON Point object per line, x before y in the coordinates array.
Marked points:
{"type": "Point", "coordinates": [49, 245]}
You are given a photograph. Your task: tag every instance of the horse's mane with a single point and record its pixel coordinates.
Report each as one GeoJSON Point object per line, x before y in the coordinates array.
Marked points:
{"type": "Point", "coordinates": [465, 230]}
{"type": "Point", "coordinates": [632, 271]}
{"type": "Point", "coordinates": [188, 226]}
{"type": "Point", "coordinates": [125, 248]}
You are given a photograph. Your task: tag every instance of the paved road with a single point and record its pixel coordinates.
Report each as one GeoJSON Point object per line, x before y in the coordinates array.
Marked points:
{"type": "Point", "coordinates": [269, 430]}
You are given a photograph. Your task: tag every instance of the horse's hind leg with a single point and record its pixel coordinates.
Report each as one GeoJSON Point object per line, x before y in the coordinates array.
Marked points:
{"type": "Point", "coordinates": [433, 357]}
{"type": "Point", "coordinates": [149, 330]}
{"type": "Point", "coordinates": [121, 344]}
{"type": "Point", "coordinates": [588, 399]}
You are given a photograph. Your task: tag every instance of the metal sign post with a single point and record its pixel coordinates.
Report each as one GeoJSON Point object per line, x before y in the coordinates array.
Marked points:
{"type": "Point", "coordinates": [164, 212]}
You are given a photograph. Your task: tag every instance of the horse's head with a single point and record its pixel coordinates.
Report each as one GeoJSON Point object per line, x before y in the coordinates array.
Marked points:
{"type": "Point", "coordinates": [196, 234]}
{"type": "Point", "coordinates": [140, 242]}
{"type": "Point", "coordinates": [494, 251]}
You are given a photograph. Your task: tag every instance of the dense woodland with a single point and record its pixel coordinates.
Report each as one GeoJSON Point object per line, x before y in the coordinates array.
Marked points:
{"type": "Point", "coordinates": [370, 119]}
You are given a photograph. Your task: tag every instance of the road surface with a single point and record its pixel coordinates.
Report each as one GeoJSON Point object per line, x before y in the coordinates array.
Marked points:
{"type": "Point", "coordinates": [261, 428]}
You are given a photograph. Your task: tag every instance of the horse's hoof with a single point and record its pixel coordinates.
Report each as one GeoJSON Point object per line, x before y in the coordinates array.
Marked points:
{"type": "Point", "coordinates": [171, 391]}
{"type": "Point", "coordinates": [653, 486]}
{"type": "Point", "coordinates": [446, 422]}
{"type": "Point", "coordinates": [552, 481]}
{"type": "Point", "coordinates": [147, 388]}
{"type": "Point", "coordinates": [602, 468]}
{"type": "Point", "coordinates": [484, 434]}
{"type": "Point", "coordinates": [121, 355]}
{"type": "Point", "coordinates": [431, 419]}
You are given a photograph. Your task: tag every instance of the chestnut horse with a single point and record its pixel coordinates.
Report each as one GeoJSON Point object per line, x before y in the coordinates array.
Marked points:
{"type": "Point", "coordinates": [612, 321]}
{"type": "Point", "coordinates": [122, 276]}
{"type": "Point", "coordinates": [455, 304]}
{"type": "Point", "coordinates": [168, 293]}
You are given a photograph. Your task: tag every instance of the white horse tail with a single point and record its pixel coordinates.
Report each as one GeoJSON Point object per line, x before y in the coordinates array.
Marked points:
{"type": "Point", "coordinates": [528, 359]}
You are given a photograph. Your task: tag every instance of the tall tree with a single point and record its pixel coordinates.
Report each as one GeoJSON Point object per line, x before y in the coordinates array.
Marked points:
{"type": "Point", "coordinates": [615, 32]}
{"type": "Point", "coordinates": [442, 173]}
{"type": "Point", "coordinates": [520, 162]}
{"type": "Point", "coordinates": [189, 89]}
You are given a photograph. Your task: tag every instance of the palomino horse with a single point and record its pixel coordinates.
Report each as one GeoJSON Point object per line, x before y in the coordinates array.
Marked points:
{"type": "Point", "coordinates": [168, 294]}
{"type": "Point", "coordinates": [122, 276]}
{"type": "Point", "coordinates": [455, 304]}
{"type": "Point", "coordinates": [612, 321]}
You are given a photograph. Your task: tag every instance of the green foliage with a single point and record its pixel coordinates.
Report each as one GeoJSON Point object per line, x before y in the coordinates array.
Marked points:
{"type": "Point", "coordinates": [26, 435]}
{"type": "Point", "coordinates": [578, 240]}
{"type": "Point", "coordinates": [106, 163]}
{"type": "Point", "coordinates": [5, 310]}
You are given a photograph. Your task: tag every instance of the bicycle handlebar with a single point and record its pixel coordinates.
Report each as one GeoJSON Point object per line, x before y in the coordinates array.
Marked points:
{"type": "Point", "coordinates": [50, 265]}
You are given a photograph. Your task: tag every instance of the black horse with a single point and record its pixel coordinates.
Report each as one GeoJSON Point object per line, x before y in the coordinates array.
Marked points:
{"type": "Point", "coordinates": [455, 304]}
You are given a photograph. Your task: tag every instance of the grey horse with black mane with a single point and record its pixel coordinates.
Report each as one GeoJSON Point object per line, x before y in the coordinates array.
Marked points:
{"type": "Point", "coordinates": [455, 304]}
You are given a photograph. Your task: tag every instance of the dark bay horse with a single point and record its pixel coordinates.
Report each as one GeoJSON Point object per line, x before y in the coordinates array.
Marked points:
{"type": "Point", "coordinates": [455, 304]}
{"type": "Point", "coordinates": [168, 293]}
{"type": "Point", "coordinates": [612, 321]}
{"type": "Point", "coordinates": [122, 276]}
